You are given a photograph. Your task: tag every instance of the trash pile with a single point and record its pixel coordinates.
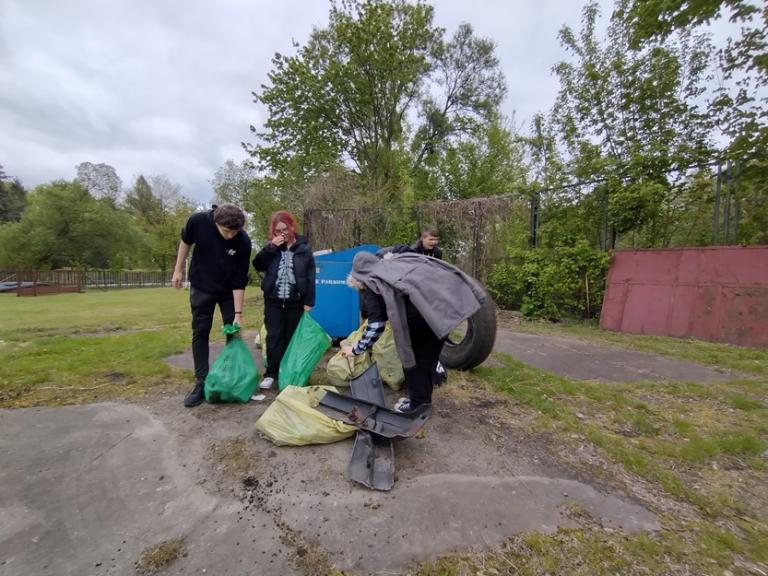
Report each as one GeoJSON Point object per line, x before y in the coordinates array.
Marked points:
{"type": "Point", "coordinates": [301, 415]}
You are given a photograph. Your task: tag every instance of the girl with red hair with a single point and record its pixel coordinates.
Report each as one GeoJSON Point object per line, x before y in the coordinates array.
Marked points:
{"type": "Point", "coordinates": [288, 284]}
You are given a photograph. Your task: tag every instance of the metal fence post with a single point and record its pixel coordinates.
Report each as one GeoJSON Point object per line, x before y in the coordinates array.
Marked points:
{"type": "Point", "coordinates": [716, 209]}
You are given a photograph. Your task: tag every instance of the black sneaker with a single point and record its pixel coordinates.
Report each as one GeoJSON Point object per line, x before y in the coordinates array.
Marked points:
{"type": "Point", "coordinates": [196, 396]}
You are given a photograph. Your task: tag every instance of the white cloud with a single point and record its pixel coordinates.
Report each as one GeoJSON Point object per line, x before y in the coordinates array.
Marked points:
{"type": "Point", "coordinates": [164, 87]}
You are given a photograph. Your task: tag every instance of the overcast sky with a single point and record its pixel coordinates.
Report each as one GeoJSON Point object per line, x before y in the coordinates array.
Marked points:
{"type": "Point", "coordinates": [164, 87]}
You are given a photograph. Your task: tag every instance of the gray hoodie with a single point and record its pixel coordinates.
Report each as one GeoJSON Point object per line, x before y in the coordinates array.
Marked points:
{"type": "Point", "coordinates": [444, 295]}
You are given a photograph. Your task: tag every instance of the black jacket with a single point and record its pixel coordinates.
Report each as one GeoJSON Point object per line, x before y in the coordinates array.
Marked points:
{"type": "Point", "coordinates": [419, 248]}
{"type": "Point", "coordinates": [268, 262]}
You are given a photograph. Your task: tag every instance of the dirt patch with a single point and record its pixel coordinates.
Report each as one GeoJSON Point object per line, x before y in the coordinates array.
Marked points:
{"type": "Point", "coordinates": [475, 435]}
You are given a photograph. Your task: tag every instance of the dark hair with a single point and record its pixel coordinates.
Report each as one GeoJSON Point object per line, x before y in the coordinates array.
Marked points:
{"type": "Point", "coordinates": [429, 231]}
{"type": "Point", "coordinates": [229, 216]}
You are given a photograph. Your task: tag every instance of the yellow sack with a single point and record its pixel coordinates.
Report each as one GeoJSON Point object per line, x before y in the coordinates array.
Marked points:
{"type": "Point", "coordinates": [385, 355]}
{"type": "Point", "coordinates": [291, 420]}
{"type": "Point", "coordinates": [341, 370]}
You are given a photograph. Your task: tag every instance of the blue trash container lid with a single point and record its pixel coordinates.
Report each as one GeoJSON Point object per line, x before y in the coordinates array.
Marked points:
{"type": "Point", "coordinates": [346, 255]}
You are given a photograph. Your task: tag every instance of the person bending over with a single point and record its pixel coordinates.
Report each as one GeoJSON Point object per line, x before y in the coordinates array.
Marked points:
{"type": "Point", "coordinates": [424, 299]}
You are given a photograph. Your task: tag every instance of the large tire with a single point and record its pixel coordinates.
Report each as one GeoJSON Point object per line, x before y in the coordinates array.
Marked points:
{"type": "Point", "coordinates": [478, 340]}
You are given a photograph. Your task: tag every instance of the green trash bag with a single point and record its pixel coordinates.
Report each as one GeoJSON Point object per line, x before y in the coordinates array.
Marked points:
{"type": "Point", "coordinates": [308, 344]}
{"type": "Point", "coordinates": [233, 376]}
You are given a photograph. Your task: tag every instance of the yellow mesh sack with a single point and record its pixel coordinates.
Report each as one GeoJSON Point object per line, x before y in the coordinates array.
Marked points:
{"type": "Point", "coordinates": [292, 420]}
{"type": "Point", "coordinates": [385, 355]}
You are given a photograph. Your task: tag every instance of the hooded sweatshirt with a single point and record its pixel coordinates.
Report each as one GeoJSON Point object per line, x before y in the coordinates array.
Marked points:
{"type": "Point", "coordinates": [444, 295]}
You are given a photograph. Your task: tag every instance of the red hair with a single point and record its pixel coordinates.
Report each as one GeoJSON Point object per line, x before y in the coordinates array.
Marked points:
{"type": "Point", "coordinates": [283, 217]}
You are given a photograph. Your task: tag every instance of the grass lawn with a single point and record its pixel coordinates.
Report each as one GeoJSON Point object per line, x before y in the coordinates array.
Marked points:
{"type": "Point", "coordinates": [98, 345]}
{"type": "Point", "coordinates": [696, 455]}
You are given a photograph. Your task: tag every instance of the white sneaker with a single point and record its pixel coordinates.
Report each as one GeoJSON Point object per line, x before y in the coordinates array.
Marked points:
{"type": "Point", "coordinates": [267, 383]}
{"type": "Point", "coordinates": [403, 405]}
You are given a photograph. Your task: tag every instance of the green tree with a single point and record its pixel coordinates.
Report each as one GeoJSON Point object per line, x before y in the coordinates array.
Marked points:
{"type": "Point", "coordinates": [232, 181]}
{"type": "Point", "coordinates": [471, 88]}
{"type": "Point", "coordinates": [629, 119]}
{"type": "Point", "coordinates": [740, 102]}
{"type": "Point", "coordinates": [13, 198]}
{"type": "Point", "coordinates": [140, 202]}
{"type": "Point", "coordinates": [347, 96]}
{"type": "Point", "coordinates": [64, 226]}
{"type": "Point", "coordinates": [159, 211]}
{"type": "Point", "coordinates": [487, 163]}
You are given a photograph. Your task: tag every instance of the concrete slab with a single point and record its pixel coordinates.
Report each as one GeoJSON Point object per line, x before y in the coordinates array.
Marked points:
{"type": "Point", "coordinates": [434, 514]}
{"type": "Point", "coordinates": [585, 360]}
{"type": "Point", "coordinates": [84, 490]}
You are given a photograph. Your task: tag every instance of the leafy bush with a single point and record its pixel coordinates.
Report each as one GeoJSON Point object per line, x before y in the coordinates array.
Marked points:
{"type": "Point", "coordinates": [565, 282]}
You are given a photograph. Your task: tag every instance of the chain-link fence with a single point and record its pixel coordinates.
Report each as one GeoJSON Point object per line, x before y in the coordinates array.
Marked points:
{"type": "Point", "coordinates": [474, 233]}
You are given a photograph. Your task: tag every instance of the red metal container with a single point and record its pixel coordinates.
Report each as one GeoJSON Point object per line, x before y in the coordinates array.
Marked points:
{"type": "Point", "coordinates": [717, 293]}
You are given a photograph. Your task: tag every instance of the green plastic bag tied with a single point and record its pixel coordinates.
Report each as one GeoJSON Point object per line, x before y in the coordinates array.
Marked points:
{"type": "Point", "coordinates": [233, 376]}
{"type": "Point", "coordinates": [308, 344]}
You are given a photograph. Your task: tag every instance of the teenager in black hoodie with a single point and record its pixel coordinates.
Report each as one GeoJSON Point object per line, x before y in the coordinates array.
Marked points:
{"type": "Point", "coordinates": [218, 275]}
{"type": "Point", "coordinates": [289, 287]}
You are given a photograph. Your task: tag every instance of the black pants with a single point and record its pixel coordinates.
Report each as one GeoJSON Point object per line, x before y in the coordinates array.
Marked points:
{"type": "Point", "coordinates": [426, 350]}
{"type": "Point", "coordinates": [203, 307]}
{"type": "Point", "coordinates": [281, 323]}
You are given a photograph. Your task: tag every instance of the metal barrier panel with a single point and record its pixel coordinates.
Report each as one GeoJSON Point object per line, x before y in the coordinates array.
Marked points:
{"type": "Point", "coordinates": [715, 293]}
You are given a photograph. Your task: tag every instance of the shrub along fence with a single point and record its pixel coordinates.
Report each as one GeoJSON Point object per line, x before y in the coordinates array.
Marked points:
{"type": "Point", "coordinates": [567, 282]}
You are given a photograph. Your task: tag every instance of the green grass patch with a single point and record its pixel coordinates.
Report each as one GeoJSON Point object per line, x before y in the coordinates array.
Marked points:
{"type": "Point", "coordinates": [701, 549]}
{"type": "Point", "coordinates": [93, 312]}
{"type": "Point", "coordinates": [158, 557]}
{"type": "Point", "coordinates": [700, 449]}
{"type": "Point", "coordinates": [87, 360]}
{"type": "Point", "coordinates": [70, 348]}
{"type": "Point", "coordinates": [641, 426]}
{"type": "Point", "coordinates": [683, 427]}
{"type": "Point", "coordinates": [743, 403]}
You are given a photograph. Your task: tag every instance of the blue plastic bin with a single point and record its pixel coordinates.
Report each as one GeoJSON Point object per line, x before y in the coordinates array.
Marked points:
{"type": "Point", "coordinates": [337, 306]}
